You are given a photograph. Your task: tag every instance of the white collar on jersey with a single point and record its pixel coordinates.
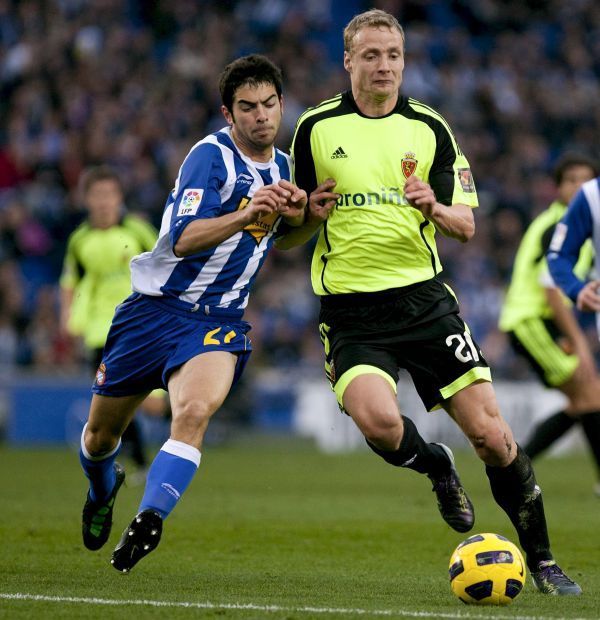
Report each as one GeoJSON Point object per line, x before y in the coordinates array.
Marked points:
{"type": "Point", "coordinates": [263, 165]}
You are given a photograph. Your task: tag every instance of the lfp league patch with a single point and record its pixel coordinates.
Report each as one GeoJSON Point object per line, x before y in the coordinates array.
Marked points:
{"type": "Point", "coordinates": [190, 201]}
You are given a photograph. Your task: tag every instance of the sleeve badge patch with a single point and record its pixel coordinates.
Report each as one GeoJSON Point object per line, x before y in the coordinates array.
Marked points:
{"type": "Point", "coordinates": [466, 180]}
{"type": "Point", "coordinates": [190, 201]}
{"type": "Point", "coordinates": [101, 374]}
{"type": "Point", "coordinates": [409, 164]}
{"type": "Point", "coordinates": [558, 238]}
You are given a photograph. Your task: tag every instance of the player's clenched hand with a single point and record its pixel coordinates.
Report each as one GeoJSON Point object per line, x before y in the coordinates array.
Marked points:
{"type": "Point", "coordinates": [588, 298]}
{"type": "Point", "coordinates": [266, 200]}
{"type": "Point", "coordinates": [321, 201]}
{"type": "Point", "coordinates": [295, 205]}
{"type": "Point", "coordinates": [420, 195]}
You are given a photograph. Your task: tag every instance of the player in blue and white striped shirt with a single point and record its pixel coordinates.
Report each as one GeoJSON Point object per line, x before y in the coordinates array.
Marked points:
{"type": "Point", "coordinates": [580, 223]}
{"type": "Point", "coordinates": [216, 179]}
{"type": "Point", "coordinates": [182, 328]}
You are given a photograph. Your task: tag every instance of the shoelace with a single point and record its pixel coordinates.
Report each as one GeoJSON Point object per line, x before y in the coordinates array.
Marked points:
{"type": "Point", "coordinates": [450, 486]}
{"type": "Point", "coordinates": [552, 570]}
{"type": "Point", "coordinates": [446, 483]}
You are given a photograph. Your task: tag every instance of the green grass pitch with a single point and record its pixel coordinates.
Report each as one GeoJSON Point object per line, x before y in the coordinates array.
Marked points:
{"type": "Point", "coordinates": [274, 529]}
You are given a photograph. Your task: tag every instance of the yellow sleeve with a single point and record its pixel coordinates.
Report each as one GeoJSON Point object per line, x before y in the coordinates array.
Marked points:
{"type": "Point", "coordinates": [144, 231]}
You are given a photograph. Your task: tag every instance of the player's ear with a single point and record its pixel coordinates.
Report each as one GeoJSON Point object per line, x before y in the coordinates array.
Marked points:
{"type": "Point", "coordinates": [228, 115]}
{"type": "Point", "coordinates": [281, 103]}
{"type": "Point", "coordinates": [347, 62]}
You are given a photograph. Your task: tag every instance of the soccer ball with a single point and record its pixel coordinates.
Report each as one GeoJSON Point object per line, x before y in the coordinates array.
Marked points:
{"type": "Point", "coordinates": [487, 569]}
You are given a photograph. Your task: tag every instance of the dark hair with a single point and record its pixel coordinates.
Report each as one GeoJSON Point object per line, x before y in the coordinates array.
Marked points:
{"type": "Point", "coordinates": [253, 70]}
{"type": "Point", "coordinates": [95, 174]}
{"type": "Point", "coordinates": [569, 160]}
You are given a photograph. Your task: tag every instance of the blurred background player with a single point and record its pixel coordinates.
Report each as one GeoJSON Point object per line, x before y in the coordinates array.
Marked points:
{"type": "Point", "coordinates": [542, 325]}
{"type": "Point", "coordinates": [96, 278]}
{"type": "Point", "coordinates": [580, 225]}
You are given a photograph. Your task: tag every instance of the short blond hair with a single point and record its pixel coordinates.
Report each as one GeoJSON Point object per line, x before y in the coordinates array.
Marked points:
{"type": "Point", "coordinates": [375, 18]}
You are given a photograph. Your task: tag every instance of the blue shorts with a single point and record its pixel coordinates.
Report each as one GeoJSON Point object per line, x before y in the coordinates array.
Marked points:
{"type": "Point", "coordinates": [149, 339]}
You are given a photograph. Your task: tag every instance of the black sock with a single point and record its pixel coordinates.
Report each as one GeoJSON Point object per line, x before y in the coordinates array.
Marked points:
{"type": "Point", "coordinates": [590, 423]}
{"type": "Point", "coordinates": [415, 453]}
{"type": "Point", "coordinates": [515, 490]}
{"type": "Point", "coordinates": [547, 432]}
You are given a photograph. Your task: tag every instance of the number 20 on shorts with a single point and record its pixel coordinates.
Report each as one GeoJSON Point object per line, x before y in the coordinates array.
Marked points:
{"type": "Point", "coordinates": [463, 341]}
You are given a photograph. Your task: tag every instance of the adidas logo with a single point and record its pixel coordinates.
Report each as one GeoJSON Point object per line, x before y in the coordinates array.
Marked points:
{"type": "Point", "coordinates": [339, 153]}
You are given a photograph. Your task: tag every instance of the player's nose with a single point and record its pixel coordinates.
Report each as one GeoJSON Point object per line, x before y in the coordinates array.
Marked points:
{"type": "Point", "coordinates": [384, 65]}
{"type": "Point", "coordinates": [261, 114]}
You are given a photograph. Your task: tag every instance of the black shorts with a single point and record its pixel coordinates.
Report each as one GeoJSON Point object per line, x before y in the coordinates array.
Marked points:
{"type": "Point", "coordinates": [415, 327]}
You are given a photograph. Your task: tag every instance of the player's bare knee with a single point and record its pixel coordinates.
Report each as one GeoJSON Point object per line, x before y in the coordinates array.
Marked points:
{"type": "Point", "coordinates": [494, 447]}
{"type": "Point", "coordinates": [584, 397]}
{"type": "Point", "coordinates": [193, 414]}
{"type": "Point", "coordinates": [99, 441]}
{"type": "Point", "coordinates": [384, 431]}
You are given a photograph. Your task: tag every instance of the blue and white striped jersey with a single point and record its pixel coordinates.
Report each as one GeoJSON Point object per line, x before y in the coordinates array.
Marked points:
{"type": "Point", "coordinates": [580, 222]}
{"type": "Point", "coordinates": [214, 179]}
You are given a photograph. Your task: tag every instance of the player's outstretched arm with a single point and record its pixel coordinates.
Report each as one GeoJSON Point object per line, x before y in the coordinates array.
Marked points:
{"type": "Point", "coordinates": [203, 234]}
{"type": "Point", "coordinates": [320, 203]}
{"type": "Point", "coordinates": [569, 236]}
{"type": "Point", "coordinates": [455, 221]}
{"type": "Point", "coordinates": [66, 303]}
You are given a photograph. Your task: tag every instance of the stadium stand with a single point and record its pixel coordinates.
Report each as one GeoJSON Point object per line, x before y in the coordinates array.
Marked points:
{"type": "Point", "coordinates": [131, 84]}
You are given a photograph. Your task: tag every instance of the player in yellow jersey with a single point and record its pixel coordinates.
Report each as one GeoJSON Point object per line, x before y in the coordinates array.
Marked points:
{"type": "Point", "coordinates": [96, 278]}
{"type": "Point", "coordinates": [398, 176]}
{"type": "Point", "coordinates": [541, 325]}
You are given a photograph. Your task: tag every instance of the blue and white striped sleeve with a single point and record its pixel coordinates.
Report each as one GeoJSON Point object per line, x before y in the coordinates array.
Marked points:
{"type": "Point", "coordinates": [571, 233]}
{"type": "Point", "coordinates": [196, 193]}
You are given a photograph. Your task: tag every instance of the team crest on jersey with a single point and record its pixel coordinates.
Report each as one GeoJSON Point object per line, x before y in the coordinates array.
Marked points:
{"type": "Point", "coordinates": [190, 201]}
{"type": "Point", "coordinates": [101, 374]}
{"type": "Point", "coordinates": [466, 180]}
{"type": "Point", "coordinates": [263, 226]}
{"type": "Point", "coordinates": [409, 164]}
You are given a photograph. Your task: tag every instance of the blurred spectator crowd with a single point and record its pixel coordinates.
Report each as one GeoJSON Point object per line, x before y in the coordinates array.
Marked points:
{"type": "Point", "coordinates": [133, 84]}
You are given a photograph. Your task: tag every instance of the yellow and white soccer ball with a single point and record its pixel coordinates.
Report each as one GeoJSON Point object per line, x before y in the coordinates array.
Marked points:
{"type": "Point", "coordinates": [487, 569]}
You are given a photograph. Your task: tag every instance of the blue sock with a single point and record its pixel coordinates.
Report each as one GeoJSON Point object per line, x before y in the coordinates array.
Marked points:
{"type": "Point", "coordinates": [99, 470]}
{"type": "Point", "coordinates": [169, 476]}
